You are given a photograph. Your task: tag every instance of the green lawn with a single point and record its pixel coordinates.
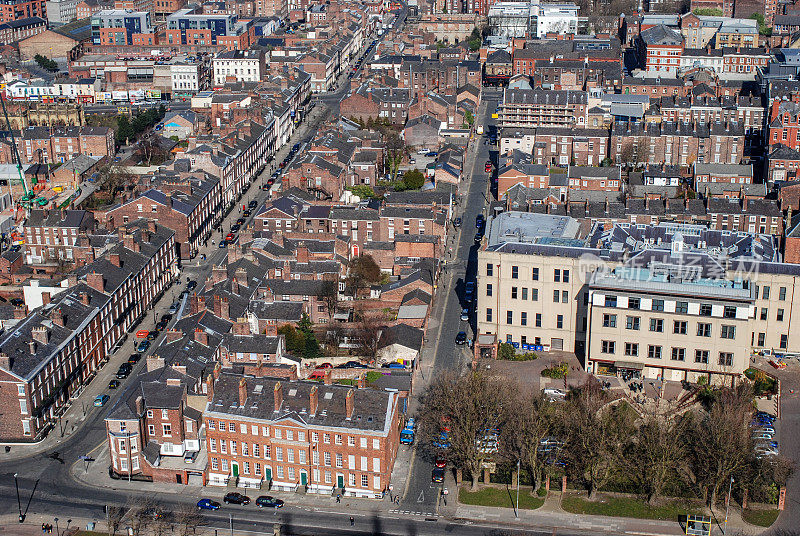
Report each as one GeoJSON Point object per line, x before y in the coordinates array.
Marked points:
{"type": "Point", "coordinates": [667, 509]}
{"type": "Point", "coordinates": [761, 517]}
{"type": "Point", "coordinates": [503, 497]}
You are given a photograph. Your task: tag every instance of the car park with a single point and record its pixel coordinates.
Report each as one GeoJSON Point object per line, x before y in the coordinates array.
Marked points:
{"type": "Point", "coordinates": [267, 501]}
{"type": "Point", "coordinates": [113, 384]}
{"type": "Point", "coordinates": [236, 498]}
{"type": "Point", "coordinates": [461, 337]}
{"type": "Point", "coordinates": [207, 504]}
{"type": "Point", "coordinates": [100, 400]}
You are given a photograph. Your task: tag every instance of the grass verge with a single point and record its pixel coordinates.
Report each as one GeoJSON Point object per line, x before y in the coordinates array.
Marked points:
{"type": "Point", "coordinates": [667, 509]}
{"type": "Point", "coordinates": [763, 517]}
{"type": "Point", "coordinates": [502, 497]}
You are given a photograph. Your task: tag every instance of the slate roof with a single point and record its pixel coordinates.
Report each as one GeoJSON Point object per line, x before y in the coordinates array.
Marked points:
{"type": "Point", "coordinates": [402, 334]}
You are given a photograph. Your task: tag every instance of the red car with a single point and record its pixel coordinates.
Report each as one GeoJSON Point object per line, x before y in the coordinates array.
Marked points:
{"type": "Point", "coordinates": [441, 462]}
{"type": "Point", "coordinates": [488, 167]}
{"type": "Point", "coordinates": [323, 366]}
{"type": "Point", "coordinates": [317, 375]}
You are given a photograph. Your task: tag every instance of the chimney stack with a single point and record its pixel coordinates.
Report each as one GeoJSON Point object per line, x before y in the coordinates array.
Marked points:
{"type": "Point", "coordinates": [155, 362]}
{"type": "Point", "coordinates": [218, 274]}
{"type": "Point", "coordinates": [139, 405]}
{"type": "Point", "coordinates": [40, 334]}
{"type": "Point", "coordinates": [45, 298]}
{"type": "Point", "coordinates": [20, 312]}
{"type": "Point", "coordinates": [200, 336]}
{"type": "Point", "coordinates": [210, 388]}
{"type": "Point", "coordinates": [172, 336]}
{"type": "Point", "coordinates": [348, 404]}
{"type": "Point", "coordinates": [278, 396]}
{"type": "Point", "coordinates": [85, 298]}
{"type": "Point", "coordinates": [327, 377]}
{"type": "Point", "coordinates": [242, 392]}
{"type": "Point", "coordinates": [32, 347]}
{"type": "Point", "coordinates": [313, 401]}
{"type": "Point", "coordinates": [5, 361]}
{"type": "Point", "coordinates": [362, 380]}
{"type": "Point", "coordinates": [57, 316]}
{"type": "Point", "coordinates": [217, 369]}
{"type": "Point", "coordinates": [225, 309]}
{"type": "Point", "coordinates": [113, 258]}
{"type": "Point", "coordinates": [241, 327]}
{"type": "Point", "coordinates": [96, 281]}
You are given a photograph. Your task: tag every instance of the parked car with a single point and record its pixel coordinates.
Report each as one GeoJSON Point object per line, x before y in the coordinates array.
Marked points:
{"type": "Point", "coordinates": [323, 366]}
{"type": "Point", "coordinates": [252, 204]}
{"type": "Point", "coordinates": [191, 285]}
{"type": "Point", "coordinates": [235, 228]}
{"type": "Point", "coordinates": [240, 221]}
{"type": "Point", "coordinates": [457, 222]}
{"type": "Point", "coordinates": [100, 400]}
{"type": "Point", "coordinates": [267, 501]}
{"type": "Point", "coordinates": [247, 213]}
{"type": "Point", "coordinates": [223, 244]}
{"type": "Point", "coordinates": [765, 451]}
{"type": "Point", "coordinates": [152, 335]}
{"type": "Point", "coordinates": [465, 314]}
{"type": "Point", "coordinates": [124, 371]}
{"type": "Point", "coordinates": [162, 324]}
{"type": "Point", "coordinates": [173, 309]}
{"type": "Point", "coordinates": [766, 429]}
{"type": "Point", "coordinates": [440, 462]}
{"type": "Point", "coordinates": [480, 221]}
{"type": "Point", "coordinates": [461, 337]}
{"type": "Point", "coordinates": [235, 498]}
{"type": "Point", "coordinates": [142, 333]}
{"type": "Point", "coordinates": [134, 358]}
{"type": "Point", "coordinates": [113, 384]}
{"type": "Point", "coordinates": [552, 392]}
{"type": "Point", "coordinates": [189, 456]}
{"type": "Point", "coordinates": [762, 435]}
{"type": "Point", "coordinates": [437, 475]}
{"type": "Point", "coordinates": [143, 346]}
{"type": "Point", "coordinates": [207, 504]}
{"type": "Point", "coordinates": [353, 364]}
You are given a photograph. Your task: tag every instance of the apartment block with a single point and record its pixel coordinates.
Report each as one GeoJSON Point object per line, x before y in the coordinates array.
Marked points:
{"type": "Point", "coordinates": [122, 27]}
{"type": "Point", "coordinates": [535, 287]}
{"type": "Point", "coordinates": [543, 108]}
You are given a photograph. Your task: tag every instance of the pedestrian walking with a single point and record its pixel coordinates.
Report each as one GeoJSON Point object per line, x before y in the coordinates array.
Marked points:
{"type": "Point", "coordinates": [338, 498]}
{"type": "Point", "coordinates": [352, 521]}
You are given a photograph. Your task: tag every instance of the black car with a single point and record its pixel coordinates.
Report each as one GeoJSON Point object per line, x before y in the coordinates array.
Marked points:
{"type": "Point", "coordinates": [191, 285]}
{"type": "Point", "coordinates": [240, 221]}
{"type": "Point", "coordinates": [252, 204]}
{"type": "Point", "coordinates": [17, 302]}
{"type": "Point", "coordinates": [247, 213]}
{"type": "Point", "coordinates": [478, 237]}
{"type": "Point", "coordinates": [161, 325]}
{"type": "Point", "coordinates": [437, 475]}
{"type": "Point", "coordinates": [152, 335]}
{"type": "Point", "coordinates": [113, 384]}
{"type": "Point", "coordinates": [236, 498]}
{"type": "Point", "coordinates": [461, 337]}
{"type": "Point", "coordinates": [480, 221]}
{"type": "Point", "coordinates": [134, 358]}
{"type": "Point", "coordinates": [352, 364]}
{"type": "Point", "coordinates": [124, 371]}
{"type": "Point", "coordinates": [266, 501]}
{"type": "Point", "coordinates": [235, 227]}
{"type": "Point", "coordinates": [166, 317]}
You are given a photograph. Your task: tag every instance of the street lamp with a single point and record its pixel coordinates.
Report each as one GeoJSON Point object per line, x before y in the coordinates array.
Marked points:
{"type": "Point", "coordinates": [727, 506]}
{"type": "Point", "coordinates": [516, 510]}
{"type": "Point", "coordinates": [57, 531]}
{"type": "Point", "coordinates": [19, 503]}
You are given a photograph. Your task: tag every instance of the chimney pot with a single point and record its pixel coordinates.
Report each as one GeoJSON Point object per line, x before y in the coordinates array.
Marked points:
{"type": "Point", "coordinates": [327, 377]}
{"type": "Point", "coordinates": [348, 404]}
{"type": "Point", "coordinates": [313, 401]}
{"type": "Point", "coordinates": [242, 392]}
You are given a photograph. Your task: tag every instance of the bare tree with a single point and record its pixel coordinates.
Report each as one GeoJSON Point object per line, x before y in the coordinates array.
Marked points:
{"type": "Point", "coordinates": [189, 520]}
{"type": "Point", "coordinates": [114, 516]}
{"type": "Point", "coordinates": [140, 514]}
{"type": "Point", "coordinates": [466, 407]}
{"type": "Point", "coordinates": [596, 435]}
{"type": "Point", "coordinates": [720, 438]}
{"type": "Point", "coordinates": [329, 295]}
{"type": "Point", "coordinates": [655, 454]}
{"type": "Point", "coordinates": [368, 333]}
{"type": "Point", "coordinates": [527, 420]}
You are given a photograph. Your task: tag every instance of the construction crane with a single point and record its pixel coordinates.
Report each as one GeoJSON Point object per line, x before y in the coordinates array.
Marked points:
{"type": "Point", "coordinates": [27, 199]}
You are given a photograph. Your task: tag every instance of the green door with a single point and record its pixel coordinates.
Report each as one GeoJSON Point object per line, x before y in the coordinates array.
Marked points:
{"type": "Point", "coordinates": [303, 479]}
{"type": "Point", "coordinates": [340, 481]}
{"type": "Point", "coordinates": [235, 468]}
{"type": "Point", "coordinates": [267, 474]}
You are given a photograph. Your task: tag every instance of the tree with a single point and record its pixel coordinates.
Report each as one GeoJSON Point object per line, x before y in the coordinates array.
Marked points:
{"type": "Point", "coordinates": [596, 435]}
{"type": "Point", "coordinates": [329, 295]}
{"type": "Point", "coordinates": [295, 339]}
{"type": "Point", "coordinates": [364, 191]}
{"type": "Point", "coordinates": [413, 179]}
{"type": "Point", "coordinates": [526, 421]}
{"type": "Point", "coordinates": [189, 520]}
{"type": "Point", "coordinates": [465, 406]}
{"type": "Point", "coordinates": [655, 454]}
{"type": "Point", "coordinates": [363, 271]}
{"type": "Point", "coordinates": [368, 334]}
{"type": "Point", "coordinates": [46, 63]}
{"type": "Point", "coordinates": [720, 439]}
{"type": "Point", "coordinates": [150, 149]}
{"type": "Point", "coordinates": [506, 351]}
{"type": "Point", "coordinates": [469, 118]}
{"type": "Point", "coordinates": [114, 517]}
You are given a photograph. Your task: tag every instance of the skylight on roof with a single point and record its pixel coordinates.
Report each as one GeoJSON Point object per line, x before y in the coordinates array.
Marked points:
{"type": "Point", "coordinates": [292, 392]}
{"type": "Point", "coordinates": [328, 396]}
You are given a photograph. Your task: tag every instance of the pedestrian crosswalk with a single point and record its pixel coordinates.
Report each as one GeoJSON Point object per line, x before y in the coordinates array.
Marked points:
{"type": "Point", "coordinates": [412, 513]}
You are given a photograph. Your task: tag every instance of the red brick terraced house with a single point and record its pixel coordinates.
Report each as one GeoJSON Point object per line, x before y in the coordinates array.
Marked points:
{"type": "Point", "coordinates": [59, 346]}
{"type": "Point", "coordinates": [270, 434]}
